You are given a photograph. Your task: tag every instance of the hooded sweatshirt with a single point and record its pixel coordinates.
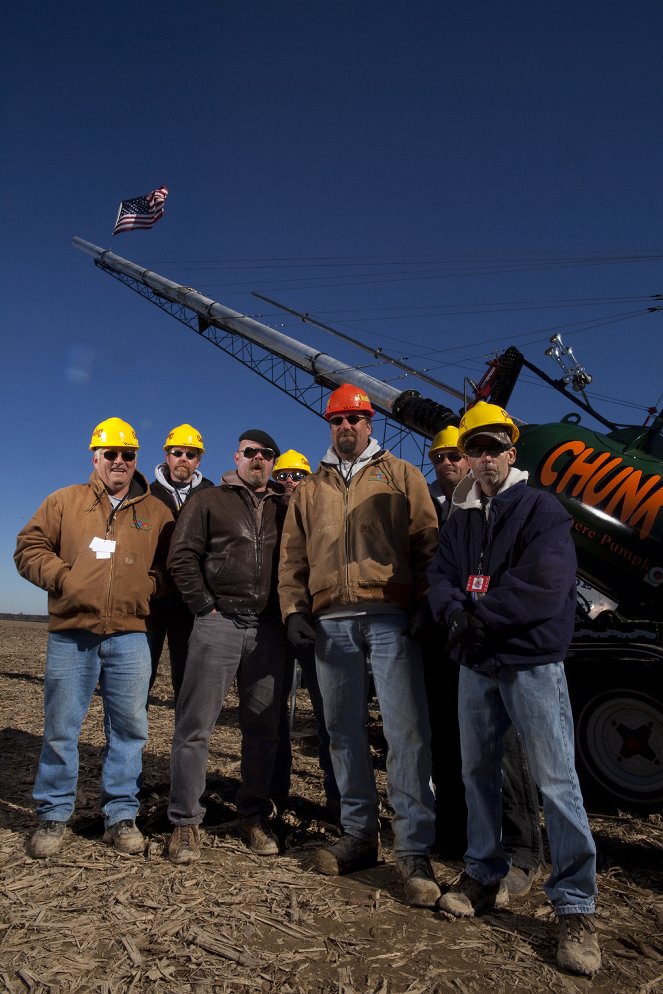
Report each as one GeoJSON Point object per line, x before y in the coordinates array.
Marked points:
{"type": "Point", "coordinates": [175, 497]}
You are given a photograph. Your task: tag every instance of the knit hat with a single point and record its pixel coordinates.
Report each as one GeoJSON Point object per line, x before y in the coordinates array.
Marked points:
{"type": "Point", "coordinates": [256, 435]}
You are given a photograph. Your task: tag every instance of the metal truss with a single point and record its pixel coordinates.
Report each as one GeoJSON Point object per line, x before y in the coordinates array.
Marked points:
{"type": "Point", "coordinates": [284, 374]}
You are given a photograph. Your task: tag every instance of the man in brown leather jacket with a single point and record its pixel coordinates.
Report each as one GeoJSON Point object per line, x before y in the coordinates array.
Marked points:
{"type": "Point", "coordinates": [223, 558]}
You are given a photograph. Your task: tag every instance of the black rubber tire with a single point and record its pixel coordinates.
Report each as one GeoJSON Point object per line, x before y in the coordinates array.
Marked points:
{"type": "Point", "coordinates": [618, 714]}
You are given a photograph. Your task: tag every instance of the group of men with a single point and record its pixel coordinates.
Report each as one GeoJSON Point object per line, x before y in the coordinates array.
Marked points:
{"type": "Point", "coordinates": [348, 566]}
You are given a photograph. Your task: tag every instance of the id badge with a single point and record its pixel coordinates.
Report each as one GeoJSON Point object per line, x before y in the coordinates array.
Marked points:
{"type": "Point", "coordinates": [477, 584]}
{"type": "Point", "coordinates": [103, 547]}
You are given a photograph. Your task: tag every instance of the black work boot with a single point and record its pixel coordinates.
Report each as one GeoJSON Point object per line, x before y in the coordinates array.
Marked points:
{"type": "Point", "coordinates": [348, 855]}
{"type": "Point", "coordinates": [421, 888]}
{"type": "Point", "coordinates": [47, 840]}
{"type": "Point", "coordinates": [468, 897]}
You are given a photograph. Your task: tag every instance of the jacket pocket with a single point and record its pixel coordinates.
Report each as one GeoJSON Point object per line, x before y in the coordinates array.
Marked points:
{"type": "Point", "coordinates": [132, 585]}
{"type": "Point", "coordinates": [84, 586]}
{"type": "Point", "coordinates": [215, 568]}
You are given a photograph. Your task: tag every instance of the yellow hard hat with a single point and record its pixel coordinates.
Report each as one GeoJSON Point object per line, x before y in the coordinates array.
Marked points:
{"type": "Point", "coordinates": [489, 417]}
{"type": "Point", "coordinates": [114, 431]}
{"type": "Point", "coordinates": [185, 435]}
{"type": "Point", "coordinates": [445, 439]}
{"type": "Point", "coordinates": [292, 460]}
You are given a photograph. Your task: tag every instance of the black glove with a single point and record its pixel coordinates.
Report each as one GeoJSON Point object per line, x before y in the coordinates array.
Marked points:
{"type": "Point", "coordinates": [458, 625]}
{"type": "Point", "coordinates": [300, 631]}
{"type": "Point", "coordinates": [476, 636]}
{"type": "Point", "coordinates": [418, 622]}
{"type": "Point", "coordinates": [466, 628]}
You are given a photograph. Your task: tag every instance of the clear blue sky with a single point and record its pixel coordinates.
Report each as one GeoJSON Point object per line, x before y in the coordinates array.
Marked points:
{"type": "Point", "coordinates": [442, 180]}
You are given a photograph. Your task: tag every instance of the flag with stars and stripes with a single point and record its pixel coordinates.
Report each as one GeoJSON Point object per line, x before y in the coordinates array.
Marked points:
{"type": "Point", "coordinates": [140, 212]}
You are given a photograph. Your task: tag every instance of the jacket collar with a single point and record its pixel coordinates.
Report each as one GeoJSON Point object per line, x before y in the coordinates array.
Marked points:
{"type": "Point", "coordinates": [348, 468]}
{"type": "Point", "coordinates": [468, 493]}
{"type": "Point", "coordinates": [137, 488]}
{"type": "Point", "coordinates": [161, 475]}
{"type": "Point", "coordinates": [233, 479]}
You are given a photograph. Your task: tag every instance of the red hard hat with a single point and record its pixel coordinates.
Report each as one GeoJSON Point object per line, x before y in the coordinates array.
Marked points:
{"type": "Point", "coordinates": [348, 397]}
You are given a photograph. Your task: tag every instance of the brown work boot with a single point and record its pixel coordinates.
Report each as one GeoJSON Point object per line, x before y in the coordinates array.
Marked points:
{"type": "Point", "coordinates": [468, 897]}
{"type": "Point", "coordinates": [125, 837]}
{"type": "Point", "coordinates": [421, 888]}
{"type": "Point", "coordinates": [348, 855]}
{"type": "Point", "coordinates": [47, 839]}
{"type": "Point", "coordinates": [578, 945]}
{"type": "Point", "coordinates": [259, 838]}
{"type": "Point", "coordinates": [184, 844]}
{"type": "Point", "coordinates": [502, 896]}
{"type": "Point", "coordinates": [519, 881]}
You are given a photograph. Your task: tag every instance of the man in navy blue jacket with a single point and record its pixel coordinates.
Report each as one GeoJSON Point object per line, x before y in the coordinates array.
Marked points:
{"type": "Point", "coordinates": [503, 579]}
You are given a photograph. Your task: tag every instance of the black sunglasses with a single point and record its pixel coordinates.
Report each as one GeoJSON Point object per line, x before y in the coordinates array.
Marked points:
{"type": "Point", "coordinates": [112, 454]}
{"type": "Point", "coordinates": [189, 453]}
{"type": "Point", "coordinates": [250, 452]}
{"type": "Point", "coordinates": [352, 419]}
{"type": "Point", "coordinates": [296, 475]}
{"type": "Point", "coordinates": [493, 450]}
{"type": "Point", "coordinates": [439, 457]}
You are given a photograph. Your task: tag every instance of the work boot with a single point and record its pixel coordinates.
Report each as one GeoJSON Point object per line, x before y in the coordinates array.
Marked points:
{"type": "Point", "coordinates": [47, 839]}
{"type": "Point", "coordinates": [502, 896]}
{"type": "Point", "coordinates": [421, 888]}
{"type": "Point", "coordinates": [124, 837]}
{"type": "Point", "coordinates": [468, 897]}
{"type": "Point", "coordinates": [259, 838]}
{"type": "Point", "coordinates": [184, 845]}
{"type": "Point", "coordinates": [348, 855]}
{"type": "Point", "coordinates": [519, 881]}
{"type": "Point", "coordinates": [578, 945]}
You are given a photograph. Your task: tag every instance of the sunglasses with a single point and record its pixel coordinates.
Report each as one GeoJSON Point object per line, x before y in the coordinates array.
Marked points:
{"type": "Point", "coordinates": [296, 475]}
{"type": "Point", "coordinates": [112, 454]}
{"type": "Point", "coordinates": [494, 450]}
{"type": "Point", "coordinates": [250, 452]}
{"type": "Point", "coordinates": [451, 456]}
{"type": "Point", "coordinates": [189, 453]}
{"type": "Point", "coordinates": [352, 419]}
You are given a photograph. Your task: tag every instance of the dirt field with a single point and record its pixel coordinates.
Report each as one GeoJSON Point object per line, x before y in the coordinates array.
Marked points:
{"type": "Point", "coordinates": [91, 920]}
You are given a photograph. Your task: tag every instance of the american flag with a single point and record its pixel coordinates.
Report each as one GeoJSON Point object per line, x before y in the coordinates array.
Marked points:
{"type": "Point", "coordinates": [140, 212]}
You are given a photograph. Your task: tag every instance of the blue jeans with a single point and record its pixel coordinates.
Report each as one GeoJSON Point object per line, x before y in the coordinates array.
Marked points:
{"type": "Point", "coordinates": [536, 701]}
{"type": "Point", "coordinates": [75, 661]}
{"type": "Point", "coordinates": [343, 648]}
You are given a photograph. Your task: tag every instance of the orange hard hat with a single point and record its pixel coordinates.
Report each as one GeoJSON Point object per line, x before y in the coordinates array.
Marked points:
{"type": "Point", "coordinates": [348, 397]}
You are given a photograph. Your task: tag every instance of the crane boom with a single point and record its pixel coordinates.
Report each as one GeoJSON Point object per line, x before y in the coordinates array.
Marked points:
{"type": "Point", "coordinates": [407, 407]}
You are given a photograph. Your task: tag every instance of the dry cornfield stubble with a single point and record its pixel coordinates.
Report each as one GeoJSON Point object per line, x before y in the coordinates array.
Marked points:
{"type": "Point", "coordinates": [90, 920]}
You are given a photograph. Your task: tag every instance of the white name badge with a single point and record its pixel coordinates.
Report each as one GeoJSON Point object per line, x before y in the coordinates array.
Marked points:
{"type": "Point", "coordinates": [103, 547]}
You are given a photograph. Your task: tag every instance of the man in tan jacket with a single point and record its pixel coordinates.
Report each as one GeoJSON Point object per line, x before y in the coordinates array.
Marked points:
{"type": "Point", "coordinates": [99, 549]}
{"type": "Point", "coordinates": [358, 537]}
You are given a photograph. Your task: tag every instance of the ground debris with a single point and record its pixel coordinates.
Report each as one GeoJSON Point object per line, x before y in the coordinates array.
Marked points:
{"type": "Point", "coordinates": [90, 921]}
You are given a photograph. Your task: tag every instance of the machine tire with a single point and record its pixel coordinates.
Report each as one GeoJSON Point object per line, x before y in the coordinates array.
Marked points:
{"type": "Point", "coordinates": [618, 714]}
